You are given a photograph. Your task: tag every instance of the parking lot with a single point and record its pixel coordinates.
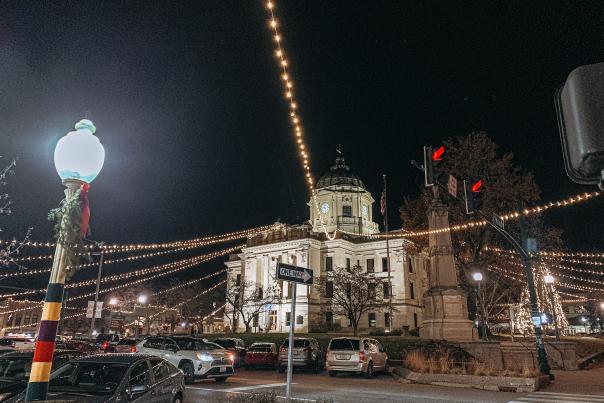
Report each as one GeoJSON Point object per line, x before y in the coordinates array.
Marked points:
{"type": "Point", "coordinates": [343, 388]}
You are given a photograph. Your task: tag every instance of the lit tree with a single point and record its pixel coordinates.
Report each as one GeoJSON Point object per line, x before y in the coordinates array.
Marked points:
{"type": "Point", "coordinates": [353, 293]}
{"type": "Point", "coordinates": [247, 300]}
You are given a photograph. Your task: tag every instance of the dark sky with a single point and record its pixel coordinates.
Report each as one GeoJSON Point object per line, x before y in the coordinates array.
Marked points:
{"type": "Point", "coordinates": [187, 102]}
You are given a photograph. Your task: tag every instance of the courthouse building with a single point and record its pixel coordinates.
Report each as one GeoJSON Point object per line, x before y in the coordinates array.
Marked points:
{"type": "Point", "coordinates": [347, 205]}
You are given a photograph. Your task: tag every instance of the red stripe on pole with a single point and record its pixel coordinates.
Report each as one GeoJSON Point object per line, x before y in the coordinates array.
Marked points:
{"type": "Point", "coordinates": [44, 351]}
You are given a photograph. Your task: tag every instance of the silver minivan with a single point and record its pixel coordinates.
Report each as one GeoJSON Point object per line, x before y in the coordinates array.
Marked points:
{"type": "Point", "coordinates": [358, 355]}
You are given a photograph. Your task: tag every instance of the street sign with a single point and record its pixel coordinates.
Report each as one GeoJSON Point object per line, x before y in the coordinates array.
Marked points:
{"type": "Point", "coordinates": [498, 221]}
{"type": "Point", "coordinates": [294, 274]}
{"type": "Point", "coordinates": [99, 309]}
{"type": "Point", "coordinates": [452, 186]}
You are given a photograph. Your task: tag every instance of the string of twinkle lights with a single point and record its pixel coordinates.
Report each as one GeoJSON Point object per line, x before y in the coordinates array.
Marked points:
{"type": "Point", "coordinates": [123, 248]}
{"type": "Point", "coordinates": [567, 257]}
{"type": "Point", "coordinates": [34, 304]}
{"type": "Point", "coordinates": [181, 303]}
{"type": "Point", "coordinates": [30, 272]}
{"type": "Point", "coordinates": [513, 259]}
{"type": "Point", "coordinates": [172, 267]}
{"type": "Point", "coordinates": [292, 104]}
{"type": "Point", "coordinates": [214, 312]}
{"type": "Point", "coordinates": [470, 225]}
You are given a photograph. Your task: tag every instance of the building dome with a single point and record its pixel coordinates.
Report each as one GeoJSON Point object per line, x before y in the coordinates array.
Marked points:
{"type": "Point", "coordinates": [339, 175]}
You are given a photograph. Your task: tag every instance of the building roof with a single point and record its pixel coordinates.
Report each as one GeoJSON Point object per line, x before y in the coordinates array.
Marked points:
{"type": "Point", "coordinates": [339, 175]}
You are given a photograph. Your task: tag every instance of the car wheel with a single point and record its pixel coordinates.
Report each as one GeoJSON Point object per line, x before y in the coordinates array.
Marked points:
{"type": "Point", "coordinates": [369, 372]}
{"type": "Point", "coordinates": [221, 379]}
{"type": "Point", "coordinates": [189, 371]}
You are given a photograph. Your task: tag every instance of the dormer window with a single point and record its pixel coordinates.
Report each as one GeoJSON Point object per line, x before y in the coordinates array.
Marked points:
{"type": "Point", "coordinates": [347, 211]}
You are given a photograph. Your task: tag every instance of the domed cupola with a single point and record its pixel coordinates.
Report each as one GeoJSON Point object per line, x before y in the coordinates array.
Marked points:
{"type": "Point", "coordinates": [343, 200]}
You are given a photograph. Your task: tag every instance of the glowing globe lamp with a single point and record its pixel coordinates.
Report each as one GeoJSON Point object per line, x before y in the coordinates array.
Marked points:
{"type": "Point", "coordinates": [79, 155]}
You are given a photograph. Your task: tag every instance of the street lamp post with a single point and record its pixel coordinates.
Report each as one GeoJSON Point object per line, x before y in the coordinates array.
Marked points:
{"type": "Point", "coordinates": [78, 159]}
{"type": "Point", "coordinates": [477, 276]}
{"type": "Point", "coordinates": [549, 281]}
{"type": "Point", "coordinates": [142, 299]}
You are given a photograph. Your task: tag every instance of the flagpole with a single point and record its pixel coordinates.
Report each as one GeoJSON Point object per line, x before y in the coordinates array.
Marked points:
{"type": "Point", "coordinates": [385, 215]}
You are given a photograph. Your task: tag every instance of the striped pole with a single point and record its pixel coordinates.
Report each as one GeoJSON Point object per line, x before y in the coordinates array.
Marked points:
{"type": "Point", "coordinates": [37, 388]}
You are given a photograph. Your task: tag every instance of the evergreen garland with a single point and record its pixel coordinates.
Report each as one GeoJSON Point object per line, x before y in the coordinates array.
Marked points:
{"type": "Point", "coordinates": [68, 226]}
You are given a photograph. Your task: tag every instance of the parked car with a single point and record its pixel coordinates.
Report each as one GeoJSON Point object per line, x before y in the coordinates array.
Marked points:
{"type": "Point", "coordinates": [16, 366]}
{"type": "Point", "coordinates": [127, 345]}
{"type": "Point", "coordinates": [113, 378]}
{"type": "Point", "coordinates": [306, 354]}
{"type": "Point", "coordinates": [197, 358]}
{"type": "Point", "coordinates": [18, 343]}
{"type": "Point", "coordinates": [261, 355]}
{"type": "Point", "coordinates": [107, 342]}
{"type": "Point", "coordinates": [362, 356]}
{"type": "Point", "coordinates": [236, 346]}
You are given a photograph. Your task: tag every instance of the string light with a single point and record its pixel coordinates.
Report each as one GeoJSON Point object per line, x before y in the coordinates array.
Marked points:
{"type": "Point", "coordinates": [295, 118]}
{"type": "Point", "coordinates": [174, 266]}
{"type": "Point", "coordinates": [208, 240]}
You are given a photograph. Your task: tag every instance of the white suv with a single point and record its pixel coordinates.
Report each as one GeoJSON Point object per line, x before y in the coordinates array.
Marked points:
{"type": "Point", "coordinates": [196, 358]}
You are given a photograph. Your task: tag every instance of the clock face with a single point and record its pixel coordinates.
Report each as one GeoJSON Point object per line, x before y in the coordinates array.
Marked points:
{"type": "Point", "coordinates": [365, 210]}
{"type": "Point", "coordinates": [324, 208]}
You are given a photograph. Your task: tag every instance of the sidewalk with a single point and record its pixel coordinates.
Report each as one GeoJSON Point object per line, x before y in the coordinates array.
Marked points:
{"type": "Point", "coordinates": [588, 382]}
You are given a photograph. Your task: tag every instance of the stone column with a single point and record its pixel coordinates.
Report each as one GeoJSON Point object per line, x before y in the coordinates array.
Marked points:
{"type": "Point", "coordinates": [446, 304]}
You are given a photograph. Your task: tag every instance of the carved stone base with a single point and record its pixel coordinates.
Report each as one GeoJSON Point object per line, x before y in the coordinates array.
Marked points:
{"type": "Point", "coordinates": [446, 315]}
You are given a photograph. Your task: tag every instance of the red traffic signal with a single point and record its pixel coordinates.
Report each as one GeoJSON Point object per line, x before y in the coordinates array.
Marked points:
{"type": "Point", "coordinates": [438, 154]}
{"type": "Point", "coordinates": [477, 186]}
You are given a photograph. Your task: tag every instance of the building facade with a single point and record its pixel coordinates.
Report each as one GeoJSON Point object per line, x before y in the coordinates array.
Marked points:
{"type": "Point", "coordinates": [346, 206]}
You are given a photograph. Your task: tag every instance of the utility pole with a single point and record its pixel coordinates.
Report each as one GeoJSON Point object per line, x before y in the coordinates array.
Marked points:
{"type": "Point", "coordinates": [96, 293]}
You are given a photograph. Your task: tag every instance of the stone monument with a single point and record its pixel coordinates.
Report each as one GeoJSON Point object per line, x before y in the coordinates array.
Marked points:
{"type": "Point", "coordinates": [446, 304]}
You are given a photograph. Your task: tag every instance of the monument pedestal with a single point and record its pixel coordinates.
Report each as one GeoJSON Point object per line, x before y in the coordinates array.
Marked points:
{"type": "Point", "coordinates": [446, 315]}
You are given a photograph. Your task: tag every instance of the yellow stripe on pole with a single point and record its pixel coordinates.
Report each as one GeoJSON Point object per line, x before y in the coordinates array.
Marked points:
{"type": "Point", "coordinates": [40, 371]}
{"type": "Point", "coordinates": [51, 311]}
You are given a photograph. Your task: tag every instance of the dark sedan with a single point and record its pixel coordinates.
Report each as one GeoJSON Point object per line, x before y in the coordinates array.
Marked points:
{"type": "Point", "coordinates": [113, 378]}
{"type": "Point", "coordinates": [236, 346]}
{"type": "Point", "coordinates": [16, 366]}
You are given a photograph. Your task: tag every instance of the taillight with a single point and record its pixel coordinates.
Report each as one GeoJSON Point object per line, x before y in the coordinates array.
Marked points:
{"type": "Point", "coordinates": [362, 356]}
{"type": "Point", "coordinates": [105, 345]}
{"type": "Point", "coordinates": [133, 349]}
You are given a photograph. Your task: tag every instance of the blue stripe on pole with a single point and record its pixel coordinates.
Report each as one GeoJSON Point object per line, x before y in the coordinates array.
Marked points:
{"type": "Point", "coordinates": [54, 292]}
{"type": "Point", "coordinates": [36, 391]}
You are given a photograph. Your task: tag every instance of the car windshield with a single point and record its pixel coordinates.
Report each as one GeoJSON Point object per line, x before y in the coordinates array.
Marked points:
{"type": "Point", "coordinates": [127, 342]}
{"type": "Point", "coordinates": [226, 343]}
{"type": "Point", "coordinates": [194, 345]}
{"type": "Point", "coordinates": [266, 348]}
{"type": "Point", "coordinates": [344, 344]}
{"type": "Point", "coordinates": [297, 343]}
{"type": "Point", "coordinates": [94, 378]}
{"type": "Point", "coordinates": [15, 368]}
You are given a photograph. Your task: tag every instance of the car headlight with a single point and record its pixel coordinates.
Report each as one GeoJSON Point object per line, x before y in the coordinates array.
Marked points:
{"type": "Point", "coordinates": [204, 357]}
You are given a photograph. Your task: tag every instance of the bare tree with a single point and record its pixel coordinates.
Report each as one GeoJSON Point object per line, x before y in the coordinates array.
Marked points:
{"type": "Point", "coordinates": [353, 293]}
{"type": "Point", "coordinates": [248, 300]}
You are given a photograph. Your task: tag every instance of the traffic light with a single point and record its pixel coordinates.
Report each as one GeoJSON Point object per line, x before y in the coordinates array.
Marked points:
{"type": "Point", "coordinates": [431, 161]}
{"type": "Point", "coordinates": [472, 191]}
{"type": "Point", "coordinates": [580, 109]}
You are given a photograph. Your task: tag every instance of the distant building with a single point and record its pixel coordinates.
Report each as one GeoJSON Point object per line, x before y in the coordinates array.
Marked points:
{"type": "Point", "coordinates": [346, 205]}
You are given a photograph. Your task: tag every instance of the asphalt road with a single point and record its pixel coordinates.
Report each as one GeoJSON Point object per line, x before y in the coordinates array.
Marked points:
{"type": "Point", "coordinates": [341, 389]}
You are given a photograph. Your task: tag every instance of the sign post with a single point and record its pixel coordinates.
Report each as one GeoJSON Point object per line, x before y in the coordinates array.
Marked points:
{"type": "Point", "coordinates": [296, 275]}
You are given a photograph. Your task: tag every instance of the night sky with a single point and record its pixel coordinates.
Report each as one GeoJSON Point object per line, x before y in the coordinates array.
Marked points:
{"type": "Point", "coordinates": [188, 104]}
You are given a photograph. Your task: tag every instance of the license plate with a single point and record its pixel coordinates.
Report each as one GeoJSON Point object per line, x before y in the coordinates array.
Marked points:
{"type": "Point", "coordinates": [222, 369]}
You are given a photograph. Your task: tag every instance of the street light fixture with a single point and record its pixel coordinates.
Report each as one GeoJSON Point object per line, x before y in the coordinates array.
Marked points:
{"type": "Point", "coordinates": [549, 284]}
{"type": "Point", "coordinates": [78, 158]}
{"type": "Point", "coordinates": [477, 276]}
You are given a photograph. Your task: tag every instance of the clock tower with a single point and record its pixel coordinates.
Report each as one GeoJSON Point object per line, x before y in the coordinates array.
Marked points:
{"type": "Point", "coordinates": [343, 200]}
